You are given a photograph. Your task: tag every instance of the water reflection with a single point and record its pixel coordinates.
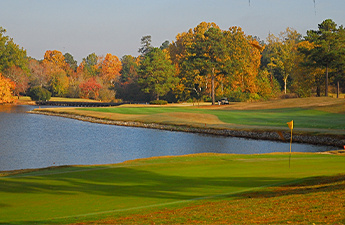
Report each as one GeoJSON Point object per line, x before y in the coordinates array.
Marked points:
{"type": "Point", "coordinates": [35, 141]}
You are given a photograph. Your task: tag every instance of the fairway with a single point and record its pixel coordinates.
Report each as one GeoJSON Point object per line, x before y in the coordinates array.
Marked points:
{"type": "Point", "coordinates": [312, 116]}
{"type": "Point", "coordinates": [86, 193]}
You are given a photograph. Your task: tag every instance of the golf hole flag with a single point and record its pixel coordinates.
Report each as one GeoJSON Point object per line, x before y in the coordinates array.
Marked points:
{"type": "Point", "coordinates": [290, 124]}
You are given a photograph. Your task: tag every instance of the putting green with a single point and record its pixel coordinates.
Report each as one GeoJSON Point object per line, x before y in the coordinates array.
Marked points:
{"type": "Point", "coordinates": [71, 194]}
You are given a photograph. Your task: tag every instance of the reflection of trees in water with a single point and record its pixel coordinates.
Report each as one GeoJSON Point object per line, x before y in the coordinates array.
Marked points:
{"type": "Point", "coordinates": [13, 109]}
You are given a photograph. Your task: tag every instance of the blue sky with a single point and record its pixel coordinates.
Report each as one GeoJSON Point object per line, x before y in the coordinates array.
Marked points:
{"type": "Point", "coordinates": [81, 27]}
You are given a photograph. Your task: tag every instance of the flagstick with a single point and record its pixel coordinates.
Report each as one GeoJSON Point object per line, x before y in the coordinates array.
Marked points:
{"type": "Point", "coordinates": [290, 148]}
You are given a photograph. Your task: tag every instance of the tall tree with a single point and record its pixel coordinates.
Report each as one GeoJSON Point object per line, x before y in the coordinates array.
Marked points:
{"type": "Point", "coordinates": [73, 64]}
{"type": "Point", "coordinates": [146, 46]}
{"type": "Point", "coordinates": [164, 45]}
{"type": "Point", "coordinates": [129, 68]}
{"type": "Point", "coordinates": [156, 73]}
{"type": "Point", "coordinates": [208, 55]}
{"type": "Point", "coordinates": [10, 53]}
{"type": "Point", "coordinates": [19, 77]}
{"type": "Point", "coordinates": [110, 68]}
{"type": "Point", "coordinates": [55, 66]}
{"type": "Point", "coordinates": [284, 53]}
{"type": "Point", "coordinates": [90, 65]}
{"type": "Point", "coordinates": [191, 82]}
{"type": "Point", "coordinates": [329, 49]}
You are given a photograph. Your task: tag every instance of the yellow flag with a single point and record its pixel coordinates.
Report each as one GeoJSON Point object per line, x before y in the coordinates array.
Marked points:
{"type": "Point", "coordinates": [290, 124]}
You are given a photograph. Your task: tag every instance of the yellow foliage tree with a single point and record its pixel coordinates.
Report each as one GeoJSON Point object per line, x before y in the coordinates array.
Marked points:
{"type": "Point", "coordinates": [110, 68]}
{"type": "Point", "coordinates": [6, 90]}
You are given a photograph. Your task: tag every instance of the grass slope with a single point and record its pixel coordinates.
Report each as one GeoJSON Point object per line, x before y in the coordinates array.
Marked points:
{"type": "Point", "coordinates": [311, 113]}
{"type": "Point", "coordinates": [84, 193]}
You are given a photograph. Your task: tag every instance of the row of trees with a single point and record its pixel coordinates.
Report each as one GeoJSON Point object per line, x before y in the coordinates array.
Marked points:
{"type": "Point", "coordinates": [204, 63]}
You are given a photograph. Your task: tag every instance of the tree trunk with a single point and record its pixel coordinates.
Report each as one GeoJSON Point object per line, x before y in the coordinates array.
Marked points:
{"type": "Point", "coordinates": [213, 97]}
{"type": "Point", "coordinates": [326, 85]}
{"type": "Point", "coordinates": [285, 81]}
{"type": "Point", "coordinates": [338, 89]}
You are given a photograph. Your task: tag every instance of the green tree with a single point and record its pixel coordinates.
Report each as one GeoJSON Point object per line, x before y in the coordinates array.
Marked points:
{"type": "Point", "coordinates": [164, 45]}
{"type": "Point", "coordinates": [329, 49]}
{"type": "Point", "coordinates": [71, 62]}
{"type": "Point", "coordinates": [146, 46]}
{"type": "Point", "coordinates": [39, 94]}
{"type": "Point", "coordinates": [59, 83]}
{"type": "Point", "coordinates": [10, 53]}
{"type": "Point", "coordinates": [156, 73]}
{"type": "Point", "coordinates": [207, 55]}
{"type": "Point", "coordinates": [91, 65]}
{"type": "Point", "coordinates": [129, 68]}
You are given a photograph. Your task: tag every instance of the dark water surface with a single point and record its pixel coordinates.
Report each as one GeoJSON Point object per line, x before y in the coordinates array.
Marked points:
{"type": "Point", "coordinates": [37, 141]}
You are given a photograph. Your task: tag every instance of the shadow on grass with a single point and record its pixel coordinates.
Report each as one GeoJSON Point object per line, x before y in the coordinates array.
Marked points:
{"type": "Point", "coordinates": [312, 185]}
{"type": "Point", "coordinates": [129, 182]}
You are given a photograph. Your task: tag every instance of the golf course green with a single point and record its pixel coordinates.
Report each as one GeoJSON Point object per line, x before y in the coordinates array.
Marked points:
{"type": "Point", "coordinates": [91, 193]}
{"type": "Point", "coordinates": [206, 188]}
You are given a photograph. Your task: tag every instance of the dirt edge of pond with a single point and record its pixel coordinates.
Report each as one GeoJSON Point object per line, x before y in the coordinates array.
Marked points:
{"type": "Point", "coordinates": [281, 136]}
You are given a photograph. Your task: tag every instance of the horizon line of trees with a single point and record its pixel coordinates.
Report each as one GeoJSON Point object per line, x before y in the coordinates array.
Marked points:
{"type": "Point", "coordinates": [203, 64]}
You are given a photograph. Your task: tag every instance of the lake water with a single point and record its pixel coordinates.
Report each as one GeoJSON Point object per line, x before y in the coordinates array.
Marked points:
{"type": "Point", "coordinates": [37, 141]}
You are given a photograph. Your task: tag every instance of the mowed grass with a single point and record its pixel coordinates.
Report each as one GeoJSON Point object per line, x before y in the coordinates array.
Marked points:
{"type": "Point", "coordinates": [314, 118]}
{"type": "Point", "coordinates": [170, 184]}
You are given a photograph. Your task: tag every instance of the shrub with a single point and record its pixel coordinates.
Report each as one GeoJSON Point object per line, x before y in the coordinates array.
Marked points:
{"type": "Point", "coordinates": [158, 102]}
{"type": "Point", "coordinates": [238, 96]}
{"type": "Point", "coordinates": [39, 94]}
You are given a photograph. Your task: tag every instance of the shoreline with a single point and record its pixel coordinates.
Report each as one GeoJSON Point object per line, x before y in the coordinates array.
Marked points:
{"type": "Point", "coordinates": [328, 140]}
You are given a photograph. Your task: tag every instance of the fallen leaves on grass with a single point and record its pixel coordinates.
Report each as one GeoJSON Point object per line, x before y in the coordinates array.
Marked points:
{"type": "Point", "coordinates": [318, 200]}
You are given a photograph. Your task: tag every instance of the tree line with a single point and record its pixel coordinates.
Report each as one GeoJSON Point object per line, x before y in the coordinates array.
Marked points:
{"type": "Point", "coordinates": [203, 64]}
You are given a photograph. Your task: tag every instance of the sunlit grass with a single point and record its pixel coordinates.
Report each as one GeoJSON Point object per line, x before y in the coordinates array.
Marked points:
{"type": "Point", "coordinates": [303, 118]}
{"type": "Point", "coordinates": [71, 194]}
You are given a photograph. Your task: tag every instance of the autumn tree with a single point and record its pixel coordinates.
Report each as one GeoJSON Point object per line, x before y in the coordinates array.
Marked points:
{"type": "Point", "coordinates": [242, 64]}
{"type": "Point", "coordinates": [13, 63]}
{"type": "Point", "coordinates": [6, 90]}
{"type": "Point", "coordinates": [38, 76]}
{"type": "Point", "coordinates": [283, 53]}
{"type": "Point", "coordinates": [191, 82]}
{"type": "Point", "coordinates": [55, 58]}
{"type": "Point", "coordinates": [110, 68]}
{"type": "Point", "coordinates": [19, 77]}
{"type": "Point", "coordinates": [55, 66]}
{"type": "Point", "coordinates": [156, 73]}
{"type": "Point", "coordinates": [90, 88]}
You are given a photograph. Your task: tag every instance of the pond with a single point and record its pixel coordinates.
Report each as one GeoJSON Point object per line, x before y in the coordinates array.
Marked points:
{"type": "Point", "coordinates": [38, 141]}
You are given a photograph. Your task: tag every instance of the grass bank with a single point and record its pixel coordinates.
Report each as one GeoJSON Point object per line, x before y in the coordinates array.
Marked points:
{"type": "Point", "coordinates": [312, 117]}
{"type": "Point", "coordinates": [169, 185]}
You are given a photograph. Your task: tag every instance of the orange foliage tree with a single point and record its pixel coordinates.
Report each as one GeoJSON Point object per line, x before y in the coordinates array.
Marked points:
{"type": "Point", "coordinates": [19, 77]}
{"type": "Point", "coordinates": [210, 60]}
{"type": "Point", "coordinates": [6, 90]}
{"type": "Point", "coordinates": [110, 68]}
{"type": "Point", "coordinates": [90, 88]}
